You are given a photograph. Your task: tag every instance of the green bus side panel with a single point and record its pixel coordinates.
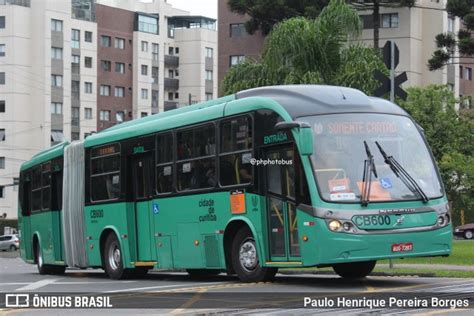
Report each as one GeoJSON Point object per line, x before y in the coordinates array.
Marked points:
{"type": "Point", "coordinates": [164, 252]}
{"type": "Point", "coordinates": [26, 246]}
{"type": "Point", "coordinates": [145, 232]}
{"type": "Point", "coordinates": [114, 217]}
{"type": "Point", "coordinates": [42, 227]}
{"type": "Point", "coordinates": [189, 254]}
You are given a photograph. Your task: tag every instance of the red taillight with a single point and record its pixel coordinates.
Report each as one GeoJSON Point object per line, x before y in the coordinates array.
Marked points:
{"type": "Point", "coordinates": [17, 241]}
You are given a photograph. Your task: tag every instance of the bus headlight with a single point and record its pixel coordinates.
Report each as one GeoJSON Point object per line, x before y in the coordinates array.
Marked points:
{"type": "Point", "coordinates": [441, 221]}
{"type": "Point", "coordinates": [335, 225]}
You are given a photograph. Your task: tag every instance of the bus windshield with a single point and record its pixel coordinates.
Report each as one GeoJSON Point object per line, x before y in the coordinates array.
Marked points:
{"type": "Point", "coordinates": [340, 152]}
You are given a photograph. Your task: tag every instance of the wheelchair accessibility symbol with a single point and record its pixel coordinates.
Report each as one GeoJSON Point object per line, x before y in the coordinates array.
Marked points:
{"type": "Point", "coordinates": [156, 208]}
{"type": "Point", "coordinates": [385, 183]}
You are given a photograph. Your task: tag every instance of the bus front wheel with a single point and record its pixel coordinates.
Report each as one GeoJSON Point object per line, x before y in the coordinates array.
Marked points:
{"type": "Point", "coordinates": [354, 270]}
{"type": "Point", "coordinates": [113, 258]}
{"type": "Point", "coordinates": [245, 259]}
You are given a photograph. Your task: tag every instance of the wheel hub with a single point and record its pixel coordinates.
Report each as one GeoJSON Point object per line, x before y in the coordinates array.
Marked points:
{"type": "Point", "coordinates": [248, 255]}
{"type": "Point", "coordinates": [114, 257]}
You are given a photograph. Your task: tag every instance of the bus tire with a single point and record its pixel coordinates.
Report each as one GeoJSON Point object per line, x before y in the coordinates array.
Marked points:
{"type": "Point", "coordinates": [245, 259]}
{"type": "Point", "coordinates": [202, 273]}
{"type": "Point", "coordinates": [42, 268]}
{"type": "Point", "coordinates": [113, 259]}
{"type": "Point", "coordinates": [354, 270]}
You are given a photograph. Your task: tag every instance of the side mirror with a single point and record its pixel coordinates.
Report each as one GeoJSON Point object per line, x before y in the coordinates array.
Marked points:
{"type": "Point", "coordinates": [305, 135]}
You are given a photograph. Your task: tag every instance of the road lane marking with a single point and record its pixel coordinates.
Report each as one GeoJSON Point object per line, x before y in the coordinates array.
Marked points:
{"type": "Point", "coordinates": [188, 303]}
{"type": "Point", "coordinates": [36, 285]}
{"type": "Point", "coordinates": [160, 287]}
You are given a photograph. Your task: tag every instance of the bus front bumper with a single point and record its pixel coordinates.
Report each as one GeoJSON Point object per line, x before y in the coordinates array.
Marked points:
{"type": "Point", "coordinates": [342, 247]}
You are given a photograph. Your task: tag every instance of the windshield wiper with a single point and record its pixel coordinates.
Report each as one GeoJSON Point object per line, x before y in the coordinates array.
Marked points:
{"type": "Point", "coordinates": [369, 168]}
{"type": "Point", "coordinates": [402, 174]}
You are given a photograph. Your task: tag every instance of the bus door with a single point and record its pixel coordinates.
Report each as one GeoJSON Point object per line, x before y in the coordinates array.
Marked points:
{"type": "Point", "coordinates": [281, 206]}
{"type": "Point", "coordinates": [26, 241]}
{"type": "Point", "coordinates": [142, 176]}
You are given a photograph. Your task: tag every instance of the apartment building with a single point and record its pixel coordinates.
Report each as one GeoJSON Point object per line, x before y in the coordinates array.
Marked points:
{"type": "Point", "coordinates": [412, 29]}
{"type": "Point", "coordinates": [152, 58]}
{"type": "Point", "coordinates": [74, 67]}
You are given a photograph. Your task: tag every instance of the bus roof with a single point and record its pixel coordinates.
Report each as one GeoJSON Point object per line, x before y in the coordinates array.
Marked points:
{"type": "Point", "coordinates": [292, 101]}
{"type": "Point", "coordinates": [305, 100]}
{"type": "Point", "coordinates": [45, 155]}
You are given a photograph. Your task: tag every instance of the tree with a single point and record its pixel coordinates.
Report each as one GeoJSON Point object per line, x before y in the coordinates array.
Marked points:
{"type": "Point", "coordinates": [447, 42]}
{"type": "Point", "coordinates": [374, 6]}
{"type": "Point", "coordinates": [300, 50]}
{"type": "Point", "coordinates": [451, 137]}
{"type": "Point", "coordinates": [266, 13]}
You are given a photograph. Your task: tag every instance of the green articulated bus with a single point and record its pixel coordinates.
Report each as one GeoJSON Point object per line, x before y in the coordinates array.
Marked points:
{"type": "Point", "coordinates": [273, 177]}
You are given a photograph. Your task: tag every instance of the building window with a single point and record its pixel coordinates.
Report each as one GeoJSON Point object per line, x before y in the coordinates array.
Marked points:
{"type": "Point", "coordinates": [120, 68]}
{"type": "Point", "coordinates": [56, 80]}
{"type": "Point", "coordinates": [155, 48]}
{"type": "Point", "coordinates": [144, 70]}
{"type": "Point", "coordinates": [144, 46]}
{"type": "Point", "coordinates": [237, 30]}
{"type": "Point", "coordinates": [88, 87]}
{"type": "Point", "coordinates": [56, 108]}
{"type": "Point", "coordinates": [2, 106]}
{"type": "Point", "coordinates": [104, 90]}
{"type": "Point", "coordinates": [236, 59]}
{"type": "Point", "coordinates": [460, 72]}
{"type": "Point", "coordinates": [75, 59]}
{"type": "Point", "coordinates": [105, 41]}
{"type": "Point", "coordinates": [88, 36]}
{"type": "Point", "coordinates": [88, 113]}
{"type": "Point", "coordinates": [2, 22]}
{"type": "Point", "coordinates": [2, 162]}
{"type": "Point", "coordinates": [119, 92]}
{"type": "Point", "coordinates": [56, 25]}
{"type": "Point", "coordinates": [57, 53]}
{"type": "Point", "coordinates": [390, 20]}
{"type": "Point", "coordinates": [2, 78]}
{"type": "Point", "coordinates": [468, 73]}
{"type": "Point", "coordinates": [120, 116]}
{"type": "Point", "coordinates": [176, 50]}
{"type": "Point", "coordinates": [209, 96]}
{"type": "Point", "coordinates": [148, 24]}
{"type": "Point", "coordinates": [144, 94]}
{"type": "Point", "coordinates": [450, 24]}
{"type": "Point", "coordinates": [88, 62]}
{"type": "Point", "coordinates": [2, 134]}
{"type": "Point", "coordinates": [2, 192]}
{"type": "Point", "coordinates": [75, 136]}
{"type": "Point", "coordinates": [170, 50]}
{"type": "Point", "coordinates": [154, 98]}
{"type": "Point", "coordinates": [104, 115]}
{"type": "Point", "coordinates": [170, 96]}
{"type": "Point", "coordinates": [119, 43]}
{"type": "Point", "coordinates": [367, 21]}
{"type": "Point", "coordinates": [2, 49]}
{"type": "Point", "coordinates": [154, 74]}
{"type": "Point", "coordinates": [208, 74]}
{"type": "Point", "coordinates": [75, 38]}
{"type": "Point", "coordinates": [176, 95]}
{"type": "Point", "coordinates": [105, 64]}
{"type": "Point", "coordinates": [209, 52]}
{"type": "Point", "coordinates": [143, 114]}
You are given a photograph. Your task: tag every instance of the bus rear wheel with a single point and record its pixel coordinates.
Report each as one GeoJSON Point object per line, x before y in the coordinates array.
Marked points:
{"type": "Point", "coordinates": [354, 270]}
{"type": "Point", "coordinates": [245, 259]}
{"type": "Point", "coordinates": [113, 258]}
{"type": "Point", "coordinates": [43, 268]}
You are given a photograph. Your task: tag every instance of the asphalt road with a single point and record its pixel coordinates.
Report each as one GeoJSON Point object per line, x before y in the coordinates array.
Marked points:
{"type": "Point", "coordinates": [230, 296]}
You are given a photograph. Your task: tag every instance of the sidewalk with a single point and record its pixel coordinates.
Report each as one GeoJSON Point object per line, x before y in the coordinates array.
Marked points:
{"type": "Point", "coordinates": [428, 266]}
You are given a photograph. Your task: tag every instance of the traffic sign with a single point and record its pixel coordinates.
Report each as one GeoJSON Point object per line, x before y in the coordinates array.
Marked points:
{"type": "Point", "coordinates": [391, 59]}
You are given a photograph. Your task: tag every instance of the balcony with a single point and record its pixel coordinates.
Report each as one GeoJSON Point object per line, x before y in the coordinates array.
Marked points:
{"type": "Point", "coordinates": [171, 61]}
{"type": "Point", "coordinates": [171, 84]}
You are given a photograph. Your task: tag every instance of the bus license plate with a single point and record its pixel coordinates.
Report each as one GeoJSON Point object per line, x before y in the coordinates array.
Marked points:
{"type": "Point", "coordinates": [406, 246]}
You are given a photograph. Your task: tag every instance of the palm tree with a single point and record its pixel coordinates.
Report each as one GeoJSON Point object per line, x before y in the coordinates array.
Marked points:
{"type": "Point", "coordinates": [301, 50]}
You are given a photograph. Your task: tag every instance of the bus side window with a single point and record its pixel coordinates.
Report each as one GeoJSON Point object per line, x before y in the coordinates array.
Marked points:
{"type": "Point", "coordinates": [196, 163]}
{"type": "Point", "coordinates": [236, 151]}
{"type": "Point", "coordinates": [36, 189]}
{"type": "Point", "coordinates": [25, 191]}
{"type": "Point", "coordinates": [164, 162]}
{"type": "Point", "coordinates": [46, 186]}
{"type": "Point", "coordinates": [105, 173]}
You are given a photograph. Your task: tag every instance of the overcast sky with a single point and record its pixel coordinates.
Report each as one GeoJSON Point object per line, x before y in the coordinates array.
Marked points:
{"type": "Point", "coordinates": [197, 7]}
